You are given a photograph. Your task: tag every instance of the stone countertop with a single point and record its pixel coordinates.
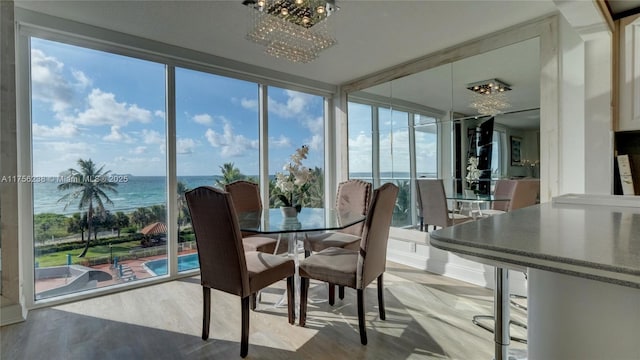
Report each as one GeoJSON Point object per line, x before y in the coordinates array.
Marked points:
{"type": "Point", "coordinates": [591, 236]}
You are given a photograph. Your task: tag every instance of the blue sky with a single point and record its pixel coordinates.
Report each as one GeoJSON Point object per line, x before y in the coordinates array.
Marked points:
{"type": "Point", "coordinates": [111, 108]}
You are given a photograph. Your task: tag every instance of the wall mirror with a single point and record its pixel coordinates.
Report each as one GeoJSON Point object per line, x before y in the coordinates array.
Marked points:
{"type": "Point", "coordinates": [424, 124]}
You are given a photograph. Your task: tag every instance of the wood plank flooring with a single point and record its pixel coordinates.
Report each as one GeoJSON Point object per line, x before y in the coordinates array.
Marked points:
{"type": "Point", "coordinates": [428, 317]}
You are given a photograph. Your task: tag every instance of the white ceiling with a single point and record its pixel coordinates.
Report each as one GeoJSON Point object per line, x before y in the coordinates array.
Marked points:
{"type": "Point", "coordinates": [372, 35]}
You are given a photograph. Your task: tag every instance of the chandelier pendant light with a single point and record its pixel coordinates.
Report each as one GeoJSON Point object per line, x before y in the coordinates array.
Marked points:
{"type": "Point", "coordinates": [489, 96]}
{"type": "Point", "coordinates": [295, 30]}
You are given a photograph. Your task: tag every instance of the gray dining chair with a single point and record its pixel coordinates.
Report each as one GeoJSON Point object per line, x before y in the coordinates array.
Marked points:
{"type": "Point", "coordinates": [433, 201]}
{"type": "Point", "coordinates": [353, 197]}
{"type": "Point", "coordinates": [355, 268]}
{"type": "Point", "coordinates": [504, 189]}
{"type": "Point", "coordinates": [224, 263]}
{"type": "Point", "coordinates": [246, 199]}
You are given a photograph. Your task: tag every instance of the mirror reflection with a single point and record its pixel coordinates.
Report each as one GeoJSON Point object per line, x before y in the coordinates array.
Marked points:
{"type": "Point", "coordinates": [430, 124]}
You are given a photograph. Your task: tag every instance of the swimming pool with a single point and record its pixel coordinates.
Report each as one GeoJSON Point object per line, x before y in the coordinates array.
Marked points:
{"type": "Point", "coordinates": [185, 262]}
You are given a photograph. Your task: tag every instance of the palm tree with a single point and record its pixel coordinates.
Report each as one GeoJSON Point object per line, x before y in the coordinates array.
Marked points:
{"type": "Point", "coordinates": [183, 210]}
{"type": "Point", "coordinates": [141, 216]}
{"type": "Point", "coordinates": [122, 221]}
{"type": "Point", "coordinates": [77, 223]}
{"type": "Point", "coordinates": [87, 187]}
{"type": "Point", "coordinates": [230, 173]}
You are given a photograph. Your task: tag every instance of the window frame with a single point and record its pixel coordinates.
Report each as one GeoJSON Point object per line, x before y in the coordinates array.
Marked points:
{"type": "Point", "coordinates": [32, 24]}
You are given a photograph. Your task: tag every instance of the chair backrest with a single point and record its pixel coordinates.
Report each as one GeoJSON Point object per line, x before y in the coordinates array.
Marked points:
{"type": "Point", "coordinates": [222, 262]}
{"type": "Point", "coordinates": [353, 196]}
{"type": "Point", "coordinates": [373, 246]}
{"type": "Point", "coordinates": [504, 189]}
{"type": "Point", "coordinates": [245, 195]}
{"type": "Point", "coordinates": [525, 194]}
{"type": "Point", "coordinates": [246, 199]}
{"type": "Point", "coordinates": [435, 210]}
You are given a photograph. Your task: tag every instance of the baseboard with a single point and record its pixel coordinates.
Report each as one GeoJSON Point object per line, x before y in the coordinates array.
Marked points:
{"type": "Point", "coordinates": [444, 268]}
{"type": "Point", "coordinates": [411, 248]}
{"type": "Point", "coordinates": [11, 313]}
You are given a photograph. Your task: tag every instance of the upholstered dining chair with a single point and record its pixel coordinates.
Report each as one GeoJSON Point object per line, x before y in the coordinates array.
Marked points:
{"type": "Point", "coordinates": [246, 198]}
{"type": "Point", "coordinates": [224, 264]}
{"type": "Point", "coordinates": [525, 193]}
{"type": "Point", "coordinates": [355, 268]}
{"type": "Point", "coordinates": [353, 196]}
{"type": "Point", "coordinates": [504, 189]}
{"type": "Point", "coordinates": [433, 200]}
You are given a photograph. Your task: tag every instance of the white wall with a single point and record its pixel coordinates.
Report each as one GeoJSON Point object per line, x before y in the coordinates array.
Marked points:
{"type": "Point", "coordinates": [571, 108]}
{"type": "Point", "coordinates": [586, 163]}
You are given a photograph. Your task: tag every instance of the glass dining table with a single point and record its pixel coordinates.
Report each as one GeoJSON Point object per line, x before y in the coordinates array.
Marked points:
{"type": "Point", "coordinates": [272, 221]}
{"type": "Point", "coordinates": [474, 203]}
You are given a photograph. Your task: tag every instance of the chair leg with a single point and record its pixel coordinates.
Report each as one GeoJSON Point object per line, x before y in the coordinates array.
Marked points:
{"type": "Point", "coordinates": [332, 294]}
{"type": "Point", "coordinates": [304, 289]}
{"type": "Point", "coordinates": [363, 330]}
{"type": "Point", "coordinates": [291, 300]}
{"type": "Point", "coordinates": [307, 253]}
{"type": "Point", "coordinates": [244, 340]}
{"type": "Point", "coordinates": [341, 292]}
{"type": "Point", "coordinates": [253, 301]}
{"type": "Point", "coordinates": [383, 315]}
{"type": "Point", "coordinates": [206, 312]}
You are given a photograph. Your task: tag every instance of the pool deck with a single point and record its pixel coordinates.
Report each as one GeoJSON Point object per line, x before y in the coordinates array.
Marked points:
{"type": "Point", "coordinates": [135, 265]}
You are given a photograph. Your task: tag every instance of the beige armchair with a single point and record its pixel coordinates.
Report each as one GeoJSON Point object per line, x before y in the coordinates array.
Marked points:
{"type": "Point", "coordinates": [224, 264]}
{"type": "Point", "coordinates": [355, 268]}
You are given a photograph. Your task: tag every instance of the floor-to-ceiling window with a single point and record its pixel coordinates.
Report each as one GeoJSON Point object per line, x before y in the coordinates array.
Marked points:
{"type": "Point", "coordinates": [296, 120]}
{"type": "Point", "coordinates": [360, 141]}
{"type": "Point", "coordinates": [101, 140]}
{"type": "Point", "coordinates": [217, 141]}
{"type": "Point", "coordinates": [98, 131]}
{"type": "Point", "coordinates": [392, 145]}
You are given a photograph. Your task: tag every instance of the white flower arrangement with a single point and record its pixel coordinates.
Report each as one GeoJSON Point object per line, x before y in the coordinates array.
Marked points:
{"type": "Point", "coordinates": [294, 183]}
{"type": "Point", "coordinates": [473, 174]}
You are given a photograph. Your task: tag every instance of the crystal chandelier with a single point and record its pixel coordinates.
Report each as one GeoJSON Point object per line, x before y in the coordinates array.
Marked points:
{"type": "Point", "coordinates": [489, 96]}
{"type": "Point", "coordinates": [292, 29]}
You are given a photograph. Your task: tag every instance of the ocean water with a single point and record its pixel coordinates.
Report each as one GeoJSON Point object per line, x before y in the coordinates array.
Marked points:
{"type": "Point", "coordinates": [136, 192]}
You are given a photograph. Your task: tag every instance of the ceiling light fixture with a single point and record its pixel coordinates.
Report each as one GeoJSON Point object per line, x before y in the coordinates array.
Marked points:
{"type": "Point", "coordinates": [489, 96]}
{"type": "Point", "coordinates": [292, 29]}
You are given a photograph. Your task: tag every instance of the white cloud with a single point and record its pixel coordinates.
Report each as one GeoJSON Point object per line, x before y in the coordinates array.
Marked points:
{"type": "Point", "coordinates": [281, 142]}
{"type": "Point", "coordinates": [64, 129]}
{"type": "Point", "coordinates": [82, 80]}
{"type": "Point", "coordinates": [360, 153]}
{"type": "Point", "coordinates": [68, 150]}
{"type": "Point", "coordinates": [117, 135]}
{"type": "Point", "coordinates": [316, 143]}
{"type": "Point", "coordinates": [203, 119]}
{"type": "Point", "coordinates": [400, 160]}
{"type": "Point", "coordinates": [316, 125]}
{"type": "Point", "coordinates": [138, 150]}
{"type": "Point", "coordinates": [296, 104]}
{"type": "Point", "coordinates": [185, 146]}
{"type": "Point", "coordinates": [251, 104]}
{"type": "Point", "coordinates": [159, 113]}
{"type": "Point", "coordinates": [152, 137]}
{"type": "Point", "coordinates": [231, 145]}
{"type": "Point", "coordinates": [47, 82]}
{"type": "Point", "coordinates": [105, 110]}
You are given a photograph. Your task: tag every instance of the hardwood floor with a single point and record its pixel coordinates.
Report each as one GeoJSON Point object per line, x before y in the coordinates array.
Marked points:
{"type": "Point", "coordinates": [427, 317]}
